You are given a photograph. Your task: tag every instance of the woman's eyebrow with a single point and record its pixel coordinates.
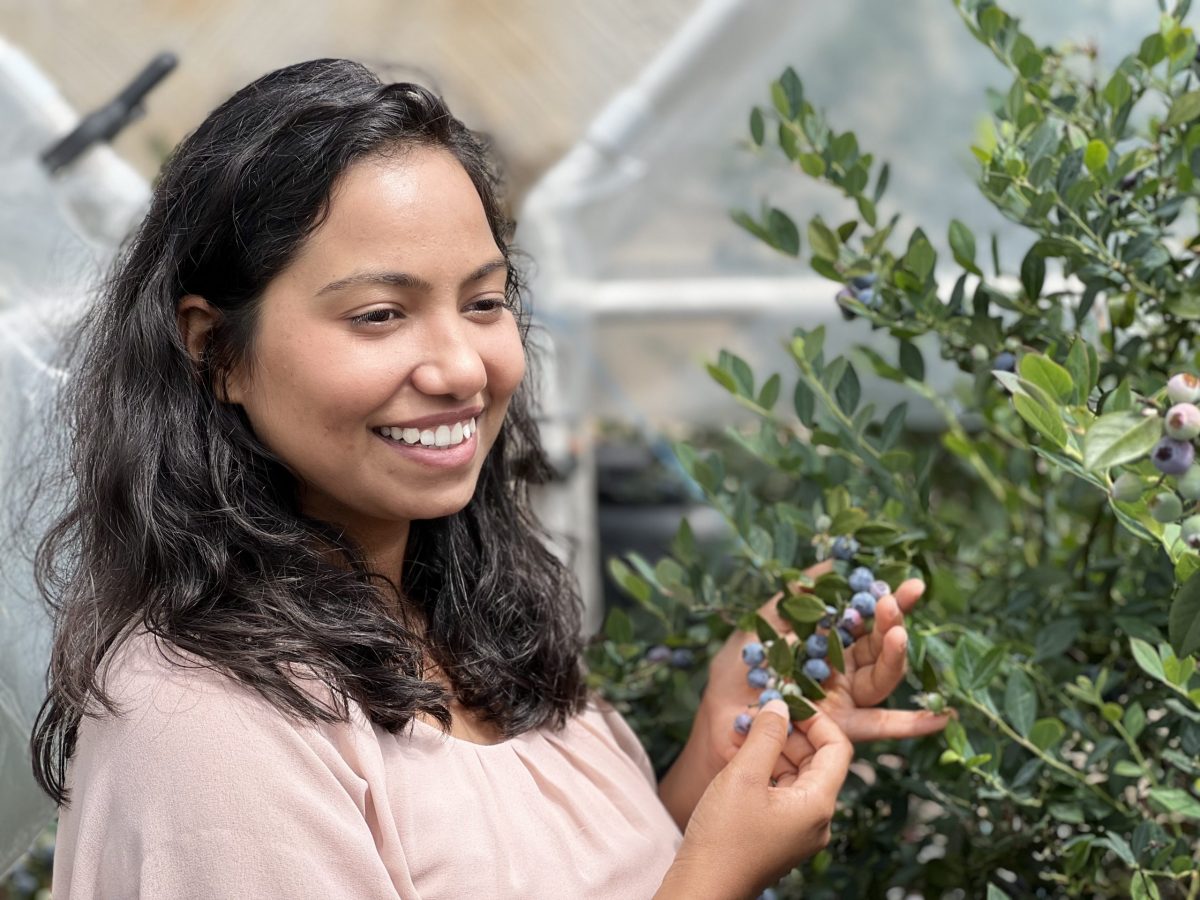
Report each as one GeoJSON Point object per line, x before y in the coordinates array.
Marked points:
{"type": "Point", "coordinates": [405, 280]}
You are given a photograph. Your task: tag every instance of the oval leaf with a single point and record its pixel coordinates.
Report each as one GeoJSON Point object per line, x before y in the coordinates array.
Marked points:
{"type": "Point", "coordinates": [1118, 438]}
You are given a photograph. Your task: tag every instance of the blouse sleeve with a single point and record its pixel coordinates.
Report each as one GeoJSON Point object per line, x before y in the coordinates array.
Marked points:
{"type": "Point", "coordinates": [203, 790]}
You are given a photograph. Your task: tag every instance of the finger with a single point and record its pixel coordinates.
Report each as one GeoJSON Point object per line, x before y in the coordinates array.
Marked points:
{"type": "Point", "coordinates": [908, 593]}
{"type": "Point", "coordinates": [887, 672]}
{"type": "Point", "coordinates": [887, 613]}
{"type": "Point", "coordinates": [760, 751]}
{"type": "Point", "coordinates": [826, 769]}
{"type": "Point", "coordinates": [892, 724]}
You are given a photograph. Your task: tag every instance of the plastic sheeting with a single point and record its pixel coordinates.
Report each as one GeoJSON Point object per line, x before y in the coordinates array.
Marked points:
{"type": "Point", "coordinates": [56, 235]}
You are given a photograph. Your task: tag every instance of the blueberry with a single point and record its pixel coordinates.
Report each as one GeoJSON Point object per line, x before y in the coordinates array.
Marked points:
{"type": "Point", "coordinates": [1183, 388]}
{"type": "Point", "coordinates": [816, 669]}
{"type": "Point", "coordinates": [868, 298]}
{"type": "Point", "coordinates": [844, 547]}
{"type": "Point", "coordinates": [860, 579]}
{"type": "Point", "coordinates": [753, 654]}
{"type": "Point", "coordinates": [862, 282]}
{"type": "Point", "coordinates": [742, 723]}
{"type": "Point", "coordinates": [1165, 507]}
{"type": "Point", "coordinates": [658, 654]}
{"type": "Point", "coordinates": [816, 646]}
{"type": "Point", "coordinates": [758, 678]}
{"type": "Point", "coordinates": [846, 636]}
{"type": "Point", "coordinates": [1189, 483]}
{"type": "Point", "coordinates": [1005, 362]}
{"type": "Point", "coordinates": [1182, 422]}
{"type": "Point", "coordinates": [1172, 457]}
{"type": "Point", "coordinates": [826, 621]}
{"type": "Point", "coordinates": [1128, 488]}
{"type": "Point", "coordinates": [683, 658]}
{"type": "Point", "coordinates": [768, 695]}
{"type": "Point", "coordinates": [851, 619]}
{"type": "Point", "coordinates": [863, 603]}
{"type": "Point", "coordinates": [879, 589]}
{"type": "Point", "coordinates": [1191, 532]}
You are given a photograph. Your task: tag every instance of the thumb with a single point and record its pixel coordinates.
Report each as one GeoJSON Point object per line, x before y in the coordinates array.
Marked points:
{"type": "Point", "coordinates": [758, 755]}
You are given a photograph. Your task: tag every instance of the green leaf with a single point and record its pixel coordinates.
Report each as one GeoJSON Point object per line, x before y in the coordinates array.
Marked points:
{"type": "Point", "coordinates": [837, 658]}
{"type": "Point", "coordinates": [805, 403]}
{"type": "Point", "coordinates": [1128, 769]}
{"type": "Point", "coordinates": [1079, 369]}
{"type": "Point", "coordinates": [780, 658]}
{"type": "Point", "coordinates": [784, 235]}
{"type": "Point", "coordinates": [798, 708]}
{"type": "Point", "coordinates": [848, 391]}
{"type": "Point", "coordinates": [920, 259]}
{"type": "Point", "coordinates": [1045, 733]}
{"type": "Point", "coordinates": [765, 630]}
{"type": "Point", "coordinates": [617, 626]}
{"type": "Point", "coordinates": [822, 239]}
{"type": "Point", "coordinates": [1146, 657]}
{"type": "Point", "coordinates": [1183, 622]}
{"type": "Point", "coordinates": [1174, 800]}
{"type": "Point", "coordinates": [811, 164]}
{"type": "Point", "coordinates": [911, 361]}
{"type": "Point", "coordinates": [1142, 887]}
{"type": "Point", "coordinates": [1020, 702]}
{"type": "Point", "coordinates": [769, 393]}
{"type": "Point", "coordinates": [1120, 437]}
{"type": "Point", "coordinates": [1033, 274]}
{"type": "Point", "coordinates": [756, 126]}
{"type": "Point", "coordinates": [994, 893]}
{"type": "Point", "coordinates": [962, 244]}
{"type": "Point", "coordinates": [1095, 157]}
{"type": "Point", "coordinates": [1184, 108]}
{"type": "Point", "coordinates": [801, 609]}
{"type": "Point", "coordinates": [1048, 375]}
{"type": "Point", "coordinates": [1044, 421]}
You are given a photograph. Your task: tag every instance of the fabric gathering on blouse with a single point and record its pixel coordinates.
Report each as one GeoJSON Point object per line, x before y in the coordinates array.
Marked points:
{"type": "Point", "coordinates": [201, 789]}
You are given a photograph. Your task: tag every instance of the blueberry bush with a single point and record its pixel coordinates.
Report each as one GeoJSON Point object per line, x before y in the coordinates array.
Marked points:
{"type": "Point", "coordinates": [1055, 516]}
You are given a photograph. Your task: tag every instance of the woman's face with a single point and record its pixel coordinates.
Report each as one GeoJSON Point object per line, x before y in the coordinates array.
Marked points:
{"type": "Point", "coordinates": [384, 355]}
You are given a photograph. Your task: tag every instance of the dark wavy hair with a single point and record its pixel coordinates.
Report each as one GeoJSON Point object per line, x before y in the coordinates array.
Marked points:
{"type": "Point", "coordinates": [181, 521]}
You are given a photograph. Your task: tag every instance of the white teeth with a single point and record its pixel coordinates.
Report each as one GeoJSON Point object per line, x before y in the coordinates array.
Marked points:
{"type": "Point", "coordinates": [442, 436]}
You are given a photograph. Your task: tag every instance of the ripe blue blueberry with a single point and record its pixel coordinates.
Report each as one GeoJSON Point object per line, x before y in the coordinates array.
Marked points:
{"type": "Point", "coordinates": [658, 654]}
{"type": "Point", "coordinates": [768, 695]}
{"type": "Point", "coordinates": [863, 603]}
{"type": "Point", "coordinates": [844, 547]}
{"type": "Point", "coordinates": [826, 621]}
{"type": "Point", "coordinates": [879, 589]}
{"type": "Point", "coordinates": [816, 669]}
{"type": "Point", "coordinates": [816, 646]}
{"type": "Point", "coordinates": [860, 579]}
{"type": "Point", "coordinates": [868, 298]}
{"type": "Point", "coordinates": [846, 636]}
{"type": "Point", "coordinates": [1172, 457]}
{"type": "Point", "coordinates": [742, 723]}
{"type": "Point", "coordinates": [1182, 421]}
{"type": "Point", "coordinates": [753, 654]}
{"type": "Point", "coordinates": [861, 282]}
{"type": "Point", "coordinates": [1005, 362]}
{"type": "Point", "coordinates": [682, 658]}
{"type": "Point", "coordinates": [758, 678]}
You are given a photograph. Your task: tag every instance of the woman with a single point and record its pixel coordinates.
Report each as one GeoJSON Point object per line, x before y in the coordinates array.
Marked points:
{"type": "Point", "coordinates": [309, 640]}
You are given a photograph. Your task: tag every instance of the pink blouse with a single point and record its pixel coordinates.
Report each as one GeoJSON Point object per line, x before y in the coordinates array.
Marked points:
{"type": "Point", "coordinates": [203, 790]}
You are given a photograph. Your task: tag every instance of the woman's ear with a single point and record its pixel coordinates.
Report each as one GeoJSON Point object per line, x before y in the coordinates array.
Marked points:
{"type": "Point", "coordinates": [196, 318]}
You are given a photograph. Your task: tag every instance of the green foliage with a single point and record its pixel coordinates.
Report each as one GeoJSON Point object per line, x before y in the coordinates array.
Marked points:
{"type": "Point", "coordinates": [1061, 623]}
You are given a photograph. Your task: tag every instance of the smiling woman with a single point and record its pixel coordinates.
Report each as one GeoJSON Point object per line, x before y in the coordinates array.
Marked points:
{"type": "Point", "coordinates": [309, 639]}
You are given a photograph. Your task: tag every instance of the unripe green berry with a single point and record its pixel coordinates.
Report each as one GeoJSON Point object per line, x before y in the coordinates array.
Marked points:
{"type": "Point", "coordinates": [1191, 532]}
{"type": "Point", "coordinates": [1165, 507]}
{"type": "Point", "coordinates": [1188, 483]}
{"type": "Point", "coordinates": [1128, 488]}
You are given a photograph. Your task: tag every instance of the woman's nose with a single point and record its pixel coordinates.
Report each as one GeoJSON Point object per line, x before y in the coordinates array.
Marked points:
{"type": "Point", "coordinates": [451, 363]}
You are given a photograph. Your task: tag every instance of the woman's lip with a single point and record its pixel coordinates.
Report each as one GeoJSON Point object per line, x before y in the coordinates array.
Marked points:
{"type": "Point", "coordinates": [449, 419]}
{"type": "Point", "coordinates": [438, 458]}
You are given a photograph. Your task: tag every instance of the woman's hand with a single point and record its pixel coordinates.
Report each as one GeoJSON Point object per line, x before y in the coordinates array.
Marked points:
{"type": "Point", "coordinates": [765, 813]}
{"type": "Point", "coordinates": [875, 664]}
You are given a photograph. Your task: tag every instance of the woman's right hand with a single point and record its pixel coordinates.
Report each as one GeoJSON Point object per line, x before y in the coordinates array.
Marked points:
{"type": "Point", "coordinates": [766, 812]}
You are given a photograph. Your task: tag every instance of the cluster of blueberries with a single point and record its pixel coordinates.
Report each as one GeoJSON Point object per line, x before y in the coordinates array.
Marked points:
{"type": "Point", "coordinates": [867, 590]}
{"type": "Point", "coordinates": [1174, 455]}
{"type": "Point", "coordinates": [862, 289]}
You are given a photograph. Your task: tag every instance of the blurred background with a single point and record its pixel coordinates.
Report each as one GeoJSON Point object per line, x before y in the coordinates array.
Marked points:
{"type": "Point", "coordinates": [622, 127]}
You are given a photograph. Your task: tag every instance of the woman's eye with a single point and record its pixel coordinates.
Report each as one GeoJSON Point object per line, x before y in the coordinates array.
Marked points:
{"type": "Point", "coordinates": [374, 317]}
{"type": "Point", "coordinates": [489, 305]}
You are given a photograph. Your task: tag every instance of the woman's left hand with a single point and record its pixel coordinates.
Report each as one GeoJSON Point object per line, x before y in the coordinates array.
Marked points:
{"type": "Point", "coordinates": [875, 664]}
